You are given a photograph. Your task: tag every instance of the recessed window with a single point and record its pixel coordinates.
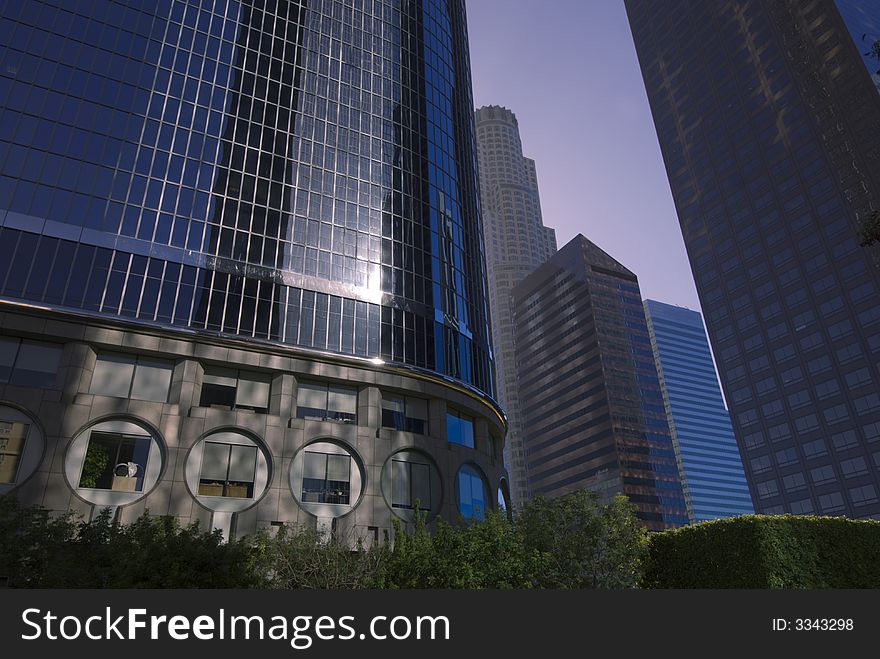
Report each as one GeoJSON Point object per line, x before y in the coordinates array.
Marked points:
{"type": "Point", "coordinates": [126, 376]}
{"type": "Point", "coordinates": [232, 389]}
{"type": "Point", "coordinates": [460, 429]}
{"type": "Point", "coordinates": [405, 413]}
{"type": "Point", "coordinates": [228, 470]}
{"type": "Point", "coordinates": [21, 447]}
{"type": "Point", "coordinates": [12, 439]}
{"type": "Point", "coordinates": [29, 363]}
{"type": "Point", "coordinates": [326, 402]}
{"type": "Point", "coordinates": [473, 494]}
{"type": "Point", "coordinates": [411, 484]}
{"type": "Point", "coordinates": [115, 461]}
{"type": "Point", "coordinates": [326, 478]}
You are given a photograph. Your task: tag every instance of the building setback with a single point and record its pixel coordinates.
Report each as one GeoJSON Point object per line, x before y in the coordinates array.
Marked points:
{"type": "Point", "coordinates": [767, 120]}
{"type": "Point", "coordinates": [241, 265]}
{"type": "Point", "coordinates": [709, 461]}
{"type": "Point", "coordinates": [517, 242]}
{"type": "Point", "coordinates": [592, 410]}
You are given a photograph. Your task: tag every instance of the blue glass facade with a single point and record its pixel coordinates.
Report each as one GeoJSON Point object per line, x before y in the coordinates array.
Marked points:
{"type": "Point", "coordinates": [709, 460]}
{"type": "Point", "coordinates": [862, 18]}
{"type": "Point", "coordinates": [285, 171]}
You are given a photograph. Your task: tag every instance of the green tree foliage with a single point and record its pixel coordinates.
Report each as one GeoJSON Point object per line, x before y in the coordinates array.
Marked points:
{"type": "Point", "coordinates": [39, 551]}
{"type": "Point", "coordinates": [870, 231]}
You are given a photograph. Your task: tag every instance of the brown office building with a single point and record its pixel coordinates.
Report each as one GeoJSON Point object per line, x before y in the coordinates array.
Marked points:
{"type": "Point", "coordinates": [592, 408]}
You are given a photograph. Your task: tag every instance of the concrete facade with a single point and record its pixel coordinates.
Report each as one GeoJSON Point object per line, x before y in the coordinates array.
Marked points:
{"type": "Point", "coordinates": [66, 410]}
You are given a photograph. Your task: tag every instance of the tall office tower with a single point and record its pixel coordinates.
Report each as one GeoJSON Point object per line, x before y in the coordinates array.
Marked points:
{"type": "Point", "coordinates": [767, 120]}
{"type": "Point", "coordinates": [862, 18]}
{"type": "Point", "coordinates": [709, 461]}
{"type": "Point", "coordinates": [517, 242]}
{"type": "Point", "coordinates": [241, 263]}
{"type": "Point", "coordinates": [593, 413]}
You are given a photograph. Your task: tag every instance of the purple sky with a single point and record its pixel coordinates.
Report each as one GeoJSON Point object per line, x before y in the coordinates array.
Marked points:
{"type": "Point", "coordinates": [568, 70]}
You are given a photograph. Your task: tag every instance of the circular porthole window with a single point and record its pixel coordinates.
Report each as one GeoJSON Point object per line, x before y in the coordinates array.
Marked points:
{"type": "Point", "coordinates": [411, 481]}
{"type": "Point", "coordinates": [21, 447]}
{"type": "Point", "coordinates": [113, 463]}
{"type": "Point", "coordinates": [327, 479]}
{"type": "Point", "coordinates": [227, 471]}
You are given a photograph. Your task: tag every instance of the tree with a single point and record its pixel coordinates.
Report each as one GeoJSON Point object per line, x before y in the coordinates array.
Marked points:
{"type": "Point", "coordinates": [870, 231]}
{"type": "Point", "coordinates": [588, 545]}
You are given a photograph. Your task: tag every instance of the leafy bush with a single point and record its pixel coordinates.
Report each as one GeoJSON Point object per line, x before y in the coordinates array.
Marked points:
{"type": "Point", "coordinates": [757, 551]}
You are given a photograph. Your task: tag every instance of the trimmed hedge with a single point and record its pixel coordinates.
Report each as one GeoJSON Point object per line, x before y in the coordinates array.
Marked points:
{"type": "Point", "coordinates": [766, 551]}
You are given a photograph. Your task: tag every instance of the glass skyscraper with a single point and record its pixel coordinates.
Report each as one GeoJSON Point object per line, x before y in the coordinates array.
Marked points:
{"type": "Point", "coordinates": [288, 177]}
{"type": "Point", "coordinates": [709, 461]}
{"type": "Point", "coordinates": [593, 416]}
{"type": "Point", "coordinates": [767, 119]}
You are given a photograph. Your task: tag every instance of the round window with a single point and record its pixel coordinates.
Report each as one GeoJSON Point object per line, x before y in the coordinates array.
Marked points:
{"type": "Point", "coordinates": [113, 463]}
{"type": "Point", "coordinates": [326, 478]}
{"type": "Point", "coordinates": [21, 447]}
{"type": "Point", "coordinates": [410, 482]}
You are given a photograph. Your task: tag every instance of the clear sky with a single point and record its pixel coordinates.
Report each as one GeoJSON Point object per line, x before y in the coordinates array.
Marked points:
{"type": "Point", "coordinates": [568, 70]}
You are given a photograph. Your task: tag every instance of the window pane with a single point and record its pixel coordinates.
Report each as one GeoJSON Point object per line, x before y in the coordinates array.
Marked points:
{"type": "Point", "coordinates": [417, 408]}
{"type": "Point", "coordinates": [225, 377]}
{"type": "Point", "coordinates": [12, 437]}
{"type": "Point", "coordinates": [8, 350]}
{"type": "Point", "coordinates": [342, 399]}
{"type": "Point", "coordinates": [400, 490]}
{"type": "Point", "coordinates": [112, 376]}
{"type": "Point", "coordinates": [310, 396]}
{"type": "Point", "coordinates": [393, 403]}
{"type": "Point", "coordinates": [115, 462]}
{"type": "Point", "coordinates": [151, 380]}
{"type": "Point", "coordinates": [215, 461]}
{"type": "Point", "coordinates": [253, 391]}
{"type": "Point", "coordinates": [242, 463]}
{"type": "Point", "coordinates": [421, 485]}
{"type": "Point", "coordinates": [315, 465]}
{"type": "Point", "coordinates": [37, 364]}
{"type": "Point", "coordinates": [338, 467]}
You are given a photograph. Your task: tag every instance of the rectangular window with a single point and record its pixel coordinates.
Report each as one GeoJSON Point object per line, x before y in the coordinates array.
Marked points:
{"type": "Point", "coordinates": [326, 402]}
{"type": "Point", "coordinates": [405, 413]}
{"type": "Point", "coordinates": [232, 389]}
{"type": "Point", "coordinates": [126, 376]}
{"type": "Point", "coordinates": [460, 429]}
{"type": "Point", "coordinates": [12, 438]}
{"type": "Point", "coordinates": [115, 461]}
{"type": "Point", "coordinates": [411, 485]}
{"type": "Point", "coordinates": [326, 478]}
{"type": "Point", "coordinates": [228, 470]}
{"type": "Point", "coordinates": [29, 363]}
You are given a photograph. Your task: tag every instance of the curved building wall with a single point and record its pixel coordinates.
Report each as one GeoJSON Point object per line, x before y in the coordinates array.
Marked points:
{"type": "Point", "coordinates": [291, 172]}
{"type": "Point", "coordinates": [238, 436]}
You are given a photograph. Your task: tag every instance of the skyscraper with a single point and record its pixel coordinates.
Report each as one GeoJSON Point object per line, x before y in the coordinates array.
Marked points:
{"type": "Point", "coordinates": [517, 242]}
{"type": "Point", "coordinates": [767, 119]}
{"type": "Point", "coordinates": [592, 413]}
{"type": "Point", "coordinates": [246, 235]}
{"type": "Point", "coordinates": [709, 462]}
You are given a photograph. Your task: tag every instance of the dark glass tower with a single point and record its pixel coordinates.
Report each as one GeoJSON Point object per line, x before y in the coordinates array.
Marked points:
{"type": "Point", "coordinates": [767, 119]}
{"type": "Point", "coordinates": [241, 265]}
{"type": "Point", "coordinates": [286, 171]}
{"type": "Point", "coordinates": [709, 462]}
{"type": "Point", "coordinates": [593, 416]}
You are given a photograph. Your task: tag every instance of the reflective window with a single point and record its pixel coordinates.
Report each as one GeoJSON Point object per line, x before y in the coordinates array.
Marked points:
{"type": "Point", "coordinates": [232, 389]}
{"type": "Point", "coordinates": [405, 413]}
{"type": "Point", "coordinates": [127, 376]}
{"type": "Point", "coordinates": [326, 402]}
{"type": "Point", "coordinates": [411, 484]}
{"type": "Point", "coordinates": [460, 429]}
{"type": "Point", "coordinates": [115, 461]}
{"type": "Point", "coordinates": [326, 478]}
{"type": "Point", "coordinates": [29, 363]}
{"type": "Point", "coordinates": [473, 494]}
{"type": "Point", "coordinates": [228, 470]}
